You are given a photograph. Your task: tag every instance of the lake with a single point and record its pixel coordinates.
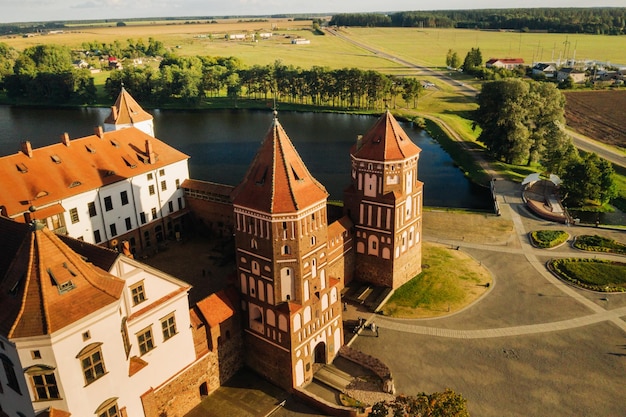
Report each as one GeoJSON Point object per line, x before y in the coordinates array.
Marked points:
{"type": "Point", "coordinates": [222, 143]}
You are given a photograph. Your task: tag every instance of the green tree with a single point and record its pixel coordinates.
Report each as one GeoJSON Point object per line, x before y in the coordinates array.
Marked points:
{"type": "Point", "coordinates": [590, 179]}
{"type": "Point", "coordinates": [567, 84]}
{"type": "Point", "coordinates": [518, 118]}
{"type": "Point", "coordinates": [8, 55]}
{"type": "Point", "coordinates": [452, 59]}
{"type": "Point", "coordinates": [438, 404]}
{"type": "Point", "coordinates": [473, 59]}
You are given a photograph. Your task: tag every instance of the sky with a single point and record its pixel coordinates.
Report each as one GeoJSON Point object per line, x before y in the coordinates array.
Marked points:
{"type": "Point", "coordinates": [49, 10]}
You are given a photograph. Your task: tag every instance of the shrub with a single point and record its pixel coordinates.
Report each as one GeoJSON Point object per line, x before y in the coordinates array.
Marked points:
{"type": "Point", "coordinates": [599, 244]}
{"type": "Point", "coordinates": [548, 238]}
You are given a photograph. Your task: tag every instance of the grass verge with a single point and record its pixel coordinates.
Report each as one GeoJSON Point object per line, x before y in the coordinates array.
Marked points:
{"type": "Point", "coordinates": [450, 280]}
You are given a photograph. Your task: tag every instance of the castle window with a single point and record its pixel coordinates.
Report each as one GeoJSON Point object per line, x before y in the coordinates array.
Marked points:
{"type": "Point", "coordinates": [138, 293]}
{"type": "Point", "coordinates": [149, 176]}
{"type": "Point", "coordinates": [125, 338]}
{"type": "Point", "coordinates": [108, 408]}
{"type": "Point", "coordinates": [96, 236]}
{"type": "Point", "coordinates": [92, 362]}
{"type": "Point", "coordinates": [108, 203]}
{"type": "Point", "coordinates": [255, 268]}
{"type": "Point", "coordinates": [44, 382]}
{"type": "Point", "coordinates": [151, 189]}
{"type": "Point", "coordinates": [74, 215]}
{"type": "Point", "coordinates": [124, 197]}
{"type": "Point", "coordinates": [145, 340]}
{"type": "Point", "coordinates": [168, 325]}
{"type": "Point", "coordinates": [91, 207]}
{"type": "Point", "coordinates": [163, 185]}
{"type": "Point", "coordinates": [253, 244]}
{"type": "Point", "coordinates": [286, 250]}
{"type": "Point", "coordinates": [9, 371]}
{"type": "Point", "coordinates": [162, 172]}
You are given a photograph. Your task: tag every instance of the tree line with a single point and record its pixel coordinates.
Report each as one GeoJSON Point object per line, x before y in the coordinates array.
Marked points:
{"type": "Point", "coordinates": [45, 73]}
{"type": "Point", "coordinates": [595, 20]}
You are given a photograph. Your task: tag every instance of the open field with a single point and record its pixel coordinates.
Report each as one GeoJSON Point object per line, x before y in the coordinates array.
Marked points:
{"type": "Point", "coordinates": [428, 47]}
{"type": "Point", "coordinates": [598, 114]}
{"type": "Point", "coordinates": [209, 40]}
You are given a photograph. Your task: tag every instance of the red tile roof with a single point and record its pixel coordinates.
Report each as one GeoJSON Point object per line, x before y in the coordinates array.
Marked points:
{"type": "Point", "coordinates": [277, 180]}
{"type": "Point", "coordinates": [385, 141]}
{"type": "Point", "coordinates": [47, 286]}
{"type": "Point", "coordinates": [60, 171]}
{"type": "Point", "coordinates": [126, 111]}
{"type": "Point", "coordinates": [216, 308]}
{"type": "Point", "coordinates": [53, 412]}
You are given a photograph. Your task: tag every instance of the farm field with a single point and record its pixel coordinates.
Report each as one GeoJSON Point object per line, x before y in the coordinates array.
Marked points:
{"type": "Point", "coordinates": [598, 115]}
{"type": "Point", "coordinates": [428, 47]}
{"type": "Point", "coordinates": [208, 39]}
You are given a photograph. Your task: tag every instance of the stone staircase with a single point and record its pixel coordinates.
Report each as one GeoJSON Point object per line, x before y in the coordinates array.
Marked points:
{"type": "Point", "coordinates": [333, 377]}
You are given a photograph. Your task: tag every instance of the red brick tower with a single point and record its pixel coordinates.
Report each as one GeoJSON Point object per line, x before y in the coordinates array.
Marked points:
{"type": "Point", "coordinates": [291, 308]}
{"type": "Point", "coordinates": [384, 201]}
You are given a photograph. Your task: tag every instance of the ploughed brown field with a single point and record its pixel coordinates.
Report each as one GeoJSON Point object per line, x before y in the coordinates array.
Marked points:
{"type": "Point", "coordinates": [598, 115]}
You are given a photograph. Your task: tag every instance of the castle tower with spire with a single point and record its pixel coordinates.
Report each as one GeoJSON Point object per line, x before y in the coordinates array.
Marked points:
{"type": "Point", "coordinates": [126, 112]}
{"type": "Point", "coordinates": [384, 201]}
{"type": "Point", "coordinates": [291, 306]}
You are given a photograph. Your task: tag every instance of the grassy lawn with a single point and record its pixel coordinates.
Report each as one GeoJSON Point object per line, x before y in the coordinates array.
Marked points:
{"type": "Point", "coordinates": [593, 274]}
{"type": "Point", "coordinates": [450, 280]}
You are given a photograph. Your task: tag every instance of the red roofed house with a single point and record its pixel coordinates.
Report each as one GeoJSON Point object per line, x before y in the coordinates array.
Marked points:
{"type": "Point", "coordinates": [291, 304]}
{"type": "Point", "coordinates": [508, 63]}
{"type": "Point", "coordinates": [119, 184]}
{"type": "Point", "coordinates": [85, 331]}
{"type": "Point", "coordinates": [384, 201]}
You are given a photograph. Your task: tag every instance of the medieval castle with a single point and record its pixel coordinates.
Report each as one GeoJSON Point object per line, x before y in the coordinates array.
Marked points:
{"type": "Point", "coordinates": [87, 330]}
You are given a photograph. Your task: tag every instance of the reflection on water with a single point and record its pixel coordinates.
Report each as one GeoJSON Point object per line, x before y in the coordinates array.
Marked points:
{"type": "Point", "coordinates": [222, 143]}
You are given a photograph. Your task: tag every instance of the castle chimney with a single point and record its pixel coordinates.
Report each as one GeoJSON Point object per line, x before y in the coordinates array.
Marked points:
{"type": "Point", "coordinates": [150, 152]}
{"type": "Point", "coordinates": [99, 132]}
{"type": "Point", "coordinates": [359, 142]}
{"type": "Point", "coordinates": [65, 139]}
{"type": "Point", "coordinates": [27, 148]}
{"type": "Point", "coordinates": [28, 217]}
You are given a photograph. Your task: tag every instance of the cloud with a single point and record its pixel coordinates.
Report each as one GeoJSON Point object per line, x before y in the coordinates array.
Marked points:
{"type": "Point", "coordinates": [86, 5]}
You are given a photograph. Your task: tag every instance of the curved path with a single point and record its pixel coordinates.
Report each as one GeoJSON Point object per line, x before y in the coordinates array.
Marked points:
{"type": "Point", "coordinates": [598, 314]}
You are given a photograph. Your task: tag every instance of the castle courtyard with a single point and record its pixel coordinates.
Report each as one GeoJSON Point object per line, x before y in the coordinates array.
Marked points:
{"type": "Point", "coordinates": [531, 346]}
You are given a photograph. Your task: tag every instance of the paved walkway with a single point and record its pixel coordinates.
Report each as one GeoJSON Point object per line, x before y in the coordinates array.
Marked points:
{"type": "Point", "coordinates": [512, 210]}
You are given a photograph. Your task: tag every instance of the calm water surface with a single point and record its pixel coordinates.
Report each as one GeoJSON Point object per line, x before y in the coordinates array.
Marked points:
{"type": "Point", "coordinates": [222, 144]}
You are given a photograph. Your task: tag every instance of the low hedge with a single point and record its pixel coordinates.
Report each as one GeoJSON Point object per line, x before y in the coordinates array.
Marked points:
{"type": "Point", "coordinates": [545, 239]}
{"type": "Point", "coordinates": [592, 274]}
{"type": "Point", "coordinates": [597, 243]}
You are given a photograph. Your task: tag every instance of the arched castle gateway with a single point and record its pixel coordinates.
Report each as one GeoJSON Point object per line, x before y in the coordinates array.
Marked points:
{"type": "Point", "coordinates": [291, 305]}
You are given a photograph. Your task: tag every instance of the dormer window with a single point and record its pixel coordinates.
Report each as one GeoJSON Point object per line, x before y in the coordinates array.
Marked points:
{"type": "Point", "coordinates": [55, 159]}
